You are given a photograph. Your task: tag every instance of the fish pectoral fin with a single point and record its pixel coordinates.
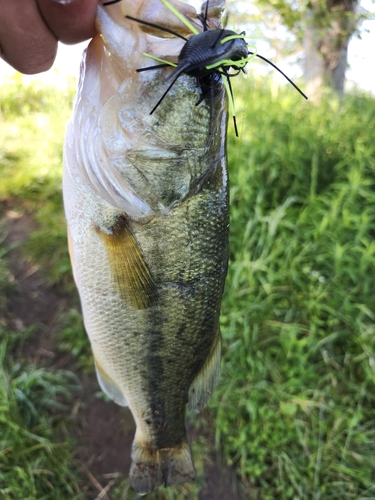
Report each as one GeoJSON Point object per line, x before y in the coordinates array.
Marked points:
{"type": "Point", "coordinates": [129, 269]}
{"type": "Point", "coordinates": [151, 468]}
{"type": "Point", "coordinates": [203, 385]}
{"type": "Point", "coordinates": [108, 386]}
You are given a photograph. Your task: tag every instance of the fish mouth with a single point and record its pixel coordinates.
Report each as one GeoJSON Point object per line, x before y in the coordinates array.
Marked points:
{"type": "Point", "coordinates": [127, 40]}
{"type": "Point", "coordinates": [135, 32]}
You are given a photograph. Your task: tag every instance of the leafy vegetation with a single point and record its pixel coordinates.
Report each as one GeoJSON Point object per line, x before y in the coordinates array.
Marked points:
{"type": "Point", "coordinates": [293, 412]}
{"type": "Point", "coordinates": [36, 454]}
{"type": "Point", "coordinates": [35, 460]}
{"type": "Point", "coordinates": [33, 121]}
{"type": "Point", "coordinates": [298, 313]}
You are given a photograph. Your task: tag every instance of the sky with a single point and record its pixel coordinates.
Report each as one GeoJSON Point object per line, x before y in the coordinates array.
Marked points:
{"type": "Point", "coordinates": [361, 59]}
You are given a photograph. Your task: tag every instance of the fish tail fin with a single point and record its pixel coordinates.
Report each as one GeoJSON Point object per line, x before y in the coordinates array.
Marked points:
{"type": "Point", "coordinates": [152, 468]}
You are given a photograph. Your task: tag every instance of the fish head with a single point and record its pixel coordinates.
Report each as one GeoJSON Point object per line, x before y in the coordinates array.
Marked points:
{"type": "Point", "coordinates": [126, 142]}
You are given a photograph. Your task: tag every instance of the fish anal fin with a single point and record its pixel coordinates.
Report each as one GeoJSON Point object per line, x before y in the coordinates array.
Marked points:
{"type": "Point", "coordinates": [203, 385]}
{"type": "Point", "coordinates": [108, 386]}
{"type": "Point", "coordinates": [128, 267]}
{"type": "Point", "coordinates": [152, 468]}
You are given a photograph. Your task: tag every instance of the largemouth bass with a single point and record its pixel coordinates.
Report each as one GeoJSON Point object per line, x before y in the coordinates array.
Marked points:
{"type": "Point", "coordinates": [146, 200]}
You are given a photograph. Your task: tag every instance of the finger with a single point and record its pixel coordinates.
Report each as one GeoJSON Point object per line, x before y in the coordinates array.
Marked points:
{"type": "Point", "coordinates": [71, 21]}
{"type": "Point", "coordinates": [26, 42]}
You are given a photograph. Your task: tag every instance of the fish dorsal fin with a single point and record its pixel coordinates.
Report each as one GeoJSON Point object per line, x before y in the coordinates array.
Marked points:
{"type": "Point", "coordinates": [128, 267]}
{"type": "Point", "coordinates": [201, 389]}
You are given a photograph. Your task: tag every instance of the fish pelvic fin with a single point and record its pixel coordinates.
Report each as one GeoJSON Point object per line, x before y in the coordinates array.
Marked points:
{"type": "Point", "coordinates": [152, 468]}
{"type": "Point", "coordinates": [108, 386]}
{"type": "Point", "coordinates": [201, 389]}
{"type": "Point", "coordinates": [129, 269]}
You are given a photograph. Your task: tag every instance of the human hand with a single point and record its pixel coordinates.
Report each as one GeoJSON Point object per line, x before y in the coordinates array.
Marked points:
{"type": "Point", "coordinates": [30, 30]}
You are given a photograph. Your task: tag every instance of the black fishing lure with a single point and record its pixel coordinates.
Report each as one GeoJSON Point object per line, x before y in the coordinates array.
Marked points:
{"type": "Point", "coordinates": [208, 55]}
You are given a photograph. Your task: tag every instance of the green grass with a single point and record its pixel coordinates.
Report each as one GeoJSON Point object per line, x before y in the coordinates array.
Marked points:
{"type": "Point", "coordinates": [33, 120]}
{"type": "Point", "coordinates": [294, 409]}
{"type": "Point", "coordinates": [74, 341]}
{"type": "Point", "coordinates": [35, 456]}
{"type": "Point", "coordinates": [5, 277]}
{"type": "Point", "coordinates": [36, 452]}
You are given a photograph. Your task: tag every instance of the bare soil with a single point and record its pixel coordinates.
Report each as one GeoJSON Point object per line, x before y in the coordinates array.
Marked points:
{"type": "Point", "coordinates": [103, 431]}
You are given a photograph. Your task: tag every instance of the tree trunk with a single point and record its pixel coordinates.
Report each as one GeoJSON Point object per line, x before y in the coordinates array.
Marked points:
{"type": "Point", "coordinates": [329, 26]}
